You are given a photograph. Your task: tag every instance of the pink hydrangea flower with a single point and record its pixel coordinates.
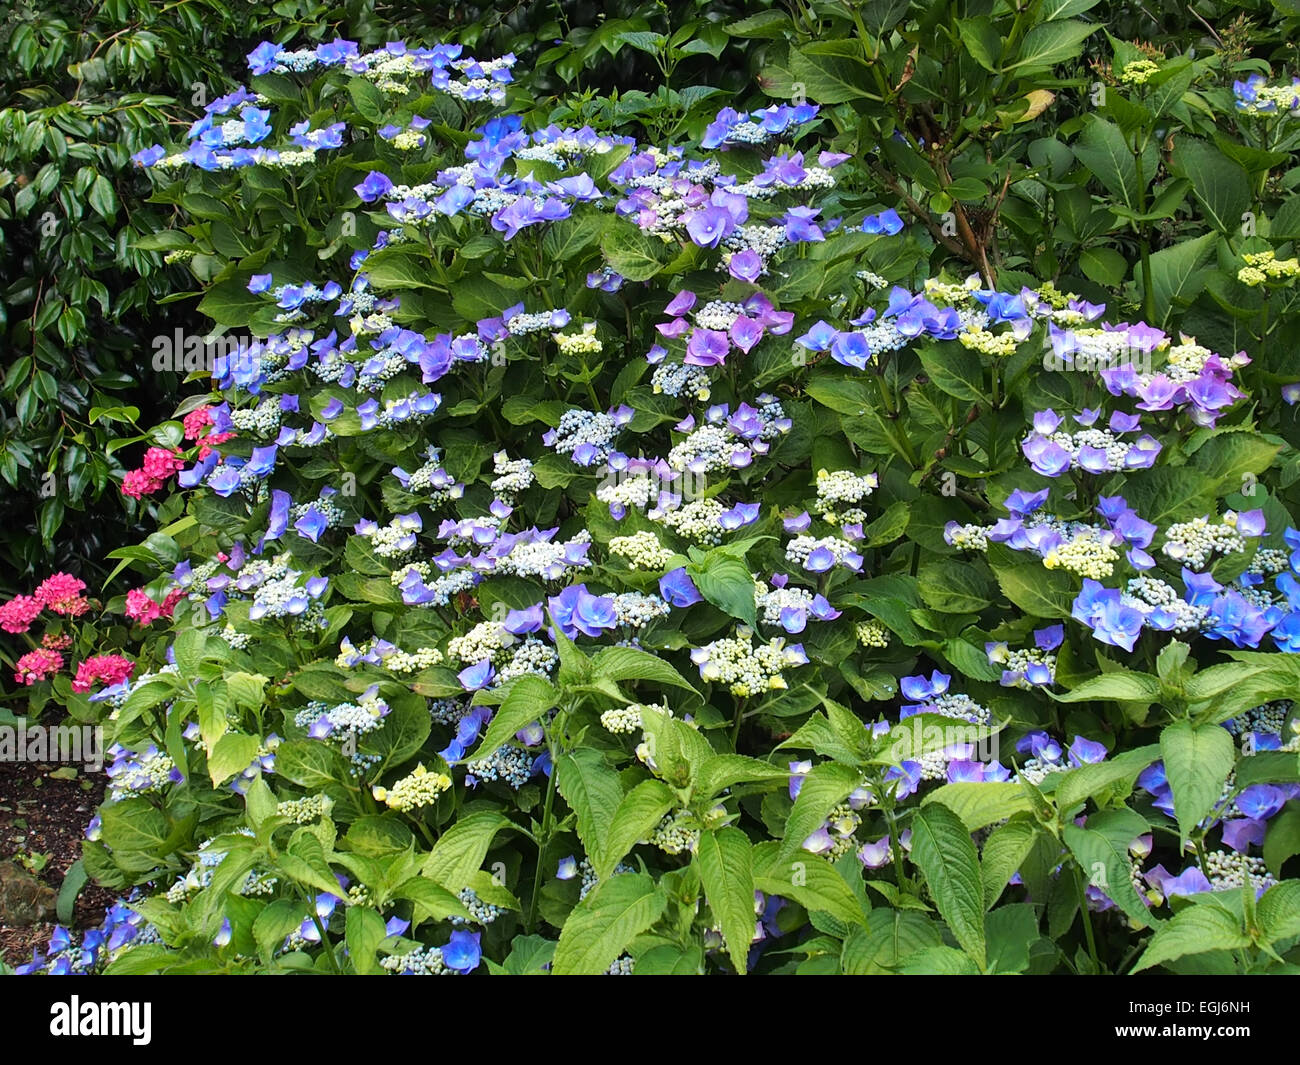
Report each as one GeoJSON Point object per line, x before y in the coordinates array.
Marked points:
{"type": "Point", "coordinates": [196, 422]}
{"type": "Point", "coordinates": [141, 607]}
{"type": "Point", "coordinates": [160, 463]}
{"type": "Point", "coordinates": [61, 592]}
{"type": "Point", "coordinates": [18, 614]}
{"type": "Point", "coordinates": [113, 669]}
{"type": "Point", "coordinates": [37, 665]}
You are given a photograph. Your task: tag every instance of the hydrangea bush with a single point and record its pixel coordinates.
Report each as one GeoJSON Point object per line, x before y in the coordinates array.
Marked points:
{"type": "Point", "coordinates": [605, 555]}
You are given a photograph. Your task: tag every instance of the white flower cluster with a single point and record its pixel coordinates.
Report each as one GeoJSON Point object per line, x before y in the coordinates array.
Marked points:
{"type": "Point", "coordinates": [343, 724]}
{"type": "Point", "coordinates": [418, 788]}
{"type": "Point", "coordinates": [1089, 554]}
{"type": "Point", "coordinates": [1195, 542]}
{"type": "Point", "coordinates": [205, 864]}
{"type": "Point", "coordinates": [481, 912]}
{"type": "Point", "coordinates": [395, 539]}
{"type": "Point", "coordinates": [745, 669]}
{"type": "Point", "coordinates": [840, 491]}
{"type": "Point", "coordinates": [769, 602]}
{"type": "Point", "coordinates": [378, 370]}
{"type": "Point", "coordinates": [279, 591]}
{"type": "Point", "coordinates": [140, 773]}
{"type": "Point", "coordinates": [1268, 719]}
{"type": "Point", "coordinates": [549, 559]}
{"type": "Point", "coordinates": [642, 550]}
{"type": "Point", "coordinates": [522, 324]}
{"type": "Point", "coordinates": [676, 379]}
{"type": "Point", "coordinates": [424, 961]}
{"type": "Point", "coordinates": [583, 343]}
{"type": "Point", "coordinates": [697, 521]}
{"type": "Point", "coordinates": [1147, 593]}
{"type": "Point", "coordinates": [973, 537]}
{"type": "Point", "coordinates": [305, 810]}
{"type": "Point", "coordinates": [637, 609]}
{"type": "Point", "coordinates": [1118, 452]}
{"type": "Point", "coordinates": [677, 833]}
{"type": "Point", "coordinates": [872, 633]}
{"type": "Point", "coordinates": [798, 549]}
{"type": "Point", "coordinates": [512, 476]}
{"type": "Point", "coordinates": [1018, 660]}
{"type": "Point", "coordinates": [1229, 870]}
{"type": "Point", "coordinates": [837, 836]}
{"type": "Point", "coordinates": [443, 587]}
{"type": "Point", "coordinates": [625, 720]}
{"type": "Point", "coordinates": [590, 880]}
{"type": "Point", "coordinates": [718, 314]}
{"type": "Point", "coordinates": [532, 656]}
{"type": "Point", "coordinates": [763, 241]}
{"type": "Point", "coordinates": [578, 427]}
{"type": "Point", "coordinates": [262, 420]}
{"type": "Point", "coordinates": [511, 765]}
{"type": "Point", "coordinates": [486, 640]}
{"type": "Point", "coordinates": [430, 480]}
{"type": "Point", "coordinates": [710, 447]}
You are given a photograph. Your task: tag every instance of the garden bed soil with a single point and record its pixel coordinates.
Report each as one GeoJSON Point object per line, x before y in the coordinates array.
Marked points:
{"type": "Point", "coordinates": [44, 815]}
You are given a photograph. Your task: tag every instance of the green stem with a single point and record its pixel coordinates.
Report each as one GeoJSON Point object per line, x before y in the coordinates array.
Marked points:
{"type": "Point", "coordinates": [543, 839]}
{"type": "Point", "coordinates": [1087, 918]}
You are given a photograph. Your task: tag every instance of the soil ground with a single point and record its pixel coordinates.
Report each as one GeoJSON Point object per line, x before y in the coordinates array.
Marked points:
{"type": "Point", "coordinates": [43, 815]}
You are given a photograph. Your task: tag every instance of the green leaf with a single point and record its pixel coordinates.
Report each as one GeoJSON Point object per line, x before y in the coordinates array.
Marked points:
{"type": "Point", "coordinates": [1040, 592]}
{"type": "Point", "coordinates": [726, 583]}
{"type": "Point", "coordinates": [633, 254]}
{"type": "Point", "coordinates": [232, 754]}
{"type": "Point", "coordinates": [605, 922]}
{"type": "Point", "coordinates": [73, 881]}
{"type": "Point", "coordinates": [529, 956]}
{"type": "Point", "coordinates": [1177, 277]}
{"type": "Point", "coordinates": [807, 879]}
{"type": "Point", "coordinates": [640, 810]}
{"type": "Point", "coordinates": [310, 763]}
{"type": "Point", "coordinates": [1121, 684]}
{"type": "Point", "coordinates": [1231, 459]}
{"type": "Point", "coordinates": [955, 369]}
{"type": "Point", "coordinates": [829, 78]}
{"type": "Point", "coordinates": [953, 587]}
{"type": "Point", "coordinates": [1086, 781]}
{"type": "Point", "coordinates": [980, 804]}
{"type": "Point", "coordinates": [1010, 930]}
{"type": "Point", "coordinates": [460, 851]}
{"type": "Point", "coordinates": [1282, 840]}
{"type": "Point", "coordinates": [1101, 849]}
{"type": "Point", "coordinates": [593, 792]}
{"type": "Point", "coordinates": [367, 99]}
{"type": "Point", "coordinates": [1220, 186]}
{"type": "Point", "coordinates": [1004, 850]}
{"type": "Point", "coordinates": [229, 303]}
{"type": "Point", "coordinates": [566, 239]}
{"type": "Point", "coordinates": [364, 932]}
{"type": "Point", "coordinates": [528, 700]}
{"type": "Point", "coordinates": [1279, 911]}
{"type": "Point", "coordinates": [1199, 928]}
{"type": "Point", "coordinates": [944, 852]}
{"type": "Point", "coordinates": [725, 860]}
{"type": "Point", "coordinates": [890, 938]}
{"type": "Point", "coordinates": [727, 770]}
{"type": "Point", "coordinates": [1050, 43]}
{"type": "Point", "coordinates": [822, 789]}
{"type": "Point", "coordinates": [1197, 762]}
{"type": "Point", "coordinates": [1102, 149]}
{"type": "Point", "coordinates": [630, 663]}
{"type": "Point", "coordinates": [102, 198]}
